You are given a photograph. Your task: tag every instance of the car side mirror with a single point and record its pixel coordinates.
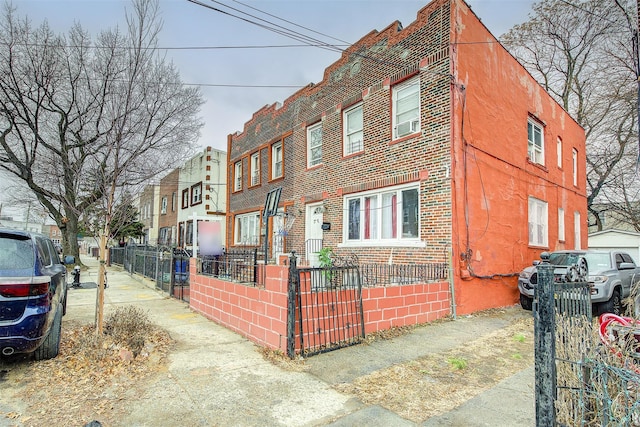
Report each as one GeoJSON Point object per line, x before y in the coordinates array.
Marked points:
{"type": "Point", "coordinates": [69, 259]}
{"type": "Point", "coordinates": [626, 266]}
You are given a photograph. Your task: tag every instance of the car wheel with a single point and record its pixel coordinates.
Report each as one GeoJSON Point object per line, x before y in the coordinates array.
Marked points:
{"type": "Point", "coordinates": [51, 345]}
{"type": "Point", "coordinates": [614, 305]}
{"type": "Point", "coordinates": [526, 302]}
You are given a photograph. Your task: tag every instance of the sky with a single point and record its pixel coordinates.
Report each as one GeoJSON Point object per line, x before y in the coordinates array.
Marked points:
{"type": "Point", "coordinates": [212, 49]}
{"type": "Point", "coordinates": [218, 52]}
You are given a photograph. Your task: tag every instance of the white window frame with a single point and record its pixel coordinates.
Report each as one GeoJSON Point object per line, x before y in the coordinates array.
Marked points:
{"type": "Point", "coordinates": [574, 160]}
{"type": "Point", "coordinates": [559, 152]}
{"type": "Point", "coordinates": [314, 145]}
{"type": "Point", "coordinates": [237, 176]}
{"type": "Point", "coordinates": [353, 130]}
{"type": "Point", "coordinates": [561, 234]}
{"type": "Point", "coordinates": [196, 193]}
{"type": "Point", "coordinates": [163, 206]}
{"type": "Point", "coordinates": [247, 229]}
{"type": "Point", "coordinates": [406, 108]}
{"type": "Point", "coordinates": [255, 168]}
{"type": "Point", "coordinates": [576, 230]}
{"type": "Point", "coordinates": [538, 220]}
{"type": "Point", "coordinates": [535, 148]}
{"type": "Point", "coordinates": [277, 154]}
{"type": "Point", "coordinates": [378, 216]}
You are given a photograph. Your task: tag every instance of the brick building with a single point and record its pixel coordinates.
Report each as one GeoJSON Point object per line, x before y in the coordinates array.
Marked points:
{"type": "Point", "coordinates": [168, 209]}
{"type": "Point", "coordinates": [425, 143]}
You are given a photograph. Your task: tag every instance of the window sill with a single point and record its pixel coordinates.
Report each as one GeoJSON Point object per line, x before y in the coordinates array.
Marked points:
{"type": "Point", "coordinates": [537, 165]}
{"type": "Point", "coordinates": [280, 178]}
{"type": "Point", "coordinates": [352, 155]}
{"type": "Point", "coordinates": [404, 138]}
{"type": "Point", "coordinates": [383, 243]}
{"type": "Point", "coordinates": [314, 167]}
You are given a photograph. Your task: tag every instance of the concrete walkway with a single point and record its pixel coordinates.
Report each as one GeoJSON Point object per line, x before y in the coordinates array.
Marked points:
{"type": "Point", "coordinates": [218, 378]}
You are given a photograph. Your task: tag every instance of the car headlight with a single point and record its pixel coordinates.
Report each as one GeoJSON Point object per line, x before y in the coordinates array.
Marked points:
{"type": "Point", "coordinates": [598, 279]}
{"type": "Point", "coordinates": [525, 274]}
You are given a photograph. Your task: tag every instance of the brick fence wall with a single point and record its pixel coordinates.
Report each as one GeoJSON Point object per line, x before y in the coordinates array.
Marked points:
{"type": "Point", "coordinates": [260, 313]}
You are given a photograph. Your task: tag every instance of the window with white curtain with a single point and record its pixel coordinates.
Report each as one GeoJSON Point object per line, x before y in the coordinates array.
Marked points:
{"type": "Point", "coordinates": [383, 216]}
{"type": "Point", "coordinates": [247, 229]}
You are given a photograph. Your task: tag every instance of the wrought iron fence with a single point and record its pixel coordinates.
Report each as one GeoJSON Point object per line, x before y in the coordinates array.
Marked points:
{"type": "Point", "coordinates": [169, 269]}
{"type": "Point", "coordinates": [579, 379]}
{"type": "Point", "coordinates": [236, 265]}
{"type": "Point", "coordinates": [402, 274]}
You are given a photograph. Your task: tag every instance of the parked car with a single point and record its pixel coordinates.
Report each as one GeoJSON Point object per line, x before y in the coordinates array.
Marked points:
{"type": "Point", "coordinates": [611, 275]}
{"type": "Point", "coordinates": [33, 294]}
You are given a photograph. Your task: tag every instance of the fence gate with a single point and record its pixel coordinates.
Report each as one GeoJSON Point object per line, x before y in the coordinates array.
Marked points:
{"type": "Point", "coordinates": [325, 308]}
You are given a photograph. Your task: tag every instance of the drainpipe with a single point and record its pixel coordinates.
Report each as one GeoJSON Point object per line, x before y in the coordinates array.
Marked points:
{"type": "Point", "coordinates": [452, 286]}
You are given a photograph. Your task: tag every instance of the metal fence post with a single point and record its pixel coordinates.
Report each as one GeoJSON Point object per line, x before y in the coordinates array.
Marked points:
{"type": "Point", "coordinates": [291, 305]}
{"type": "Point", "coordinates": [544, 325]}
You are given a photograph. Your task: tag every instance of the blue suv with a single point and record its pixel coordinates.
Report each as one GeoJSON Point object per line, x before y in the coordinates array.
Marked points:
{"type": "Point", "coordinates": [33, 294]}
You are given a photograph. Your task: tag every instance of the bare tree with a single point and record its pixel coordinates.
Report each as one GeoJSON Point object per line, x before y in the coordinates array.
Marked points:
{"type": "Point", "coordinates": [584, 54]}
{"type": "Point", "coordinates": [81, 118]}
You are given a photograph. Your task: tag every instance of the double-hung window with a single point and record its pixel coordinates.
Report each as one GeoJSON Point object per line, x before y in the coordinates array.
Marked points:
{"type": "Point", "coordinates": [185, 198]}
{"type": "Point", "coordinates": [276, 160]}
{"type": "Point", "coordinates": [383, 216]}
{"type": "Point", "coordinates": [255, 168]}
{"type": "Point", "coordinates": [237, 176]}
{"type": "Point", "coordinates": [353, 130]}
{"type": "Point", "coordinates": [574, 160]}
{"type": "Point", "coordinates": [406, 108]}
{"type": "Point", "coordinates": [314, 145]}
{"type": "Point", "coordinates": [163, 207]}
{"type": "Point", "coordinates": [196, 193]}
{"type": "Point", "coordinates": [535, 144]}
{"type": "Point", "coordinates": [538, 222]}
{"type": "Point", "coordinates": [247, 229]}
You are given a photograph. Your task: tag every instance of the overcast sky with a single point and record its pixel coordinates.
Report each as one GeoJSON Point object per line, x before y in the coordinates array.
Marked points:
{"type": "Point", "coordinates": [227, 60]}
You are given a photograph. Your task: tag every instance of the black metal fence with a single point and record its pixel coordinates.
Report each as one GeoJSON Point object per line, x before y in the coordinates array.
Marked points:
{"type": "Point", "coordinates": [238, 266]}
{"type": "Point", "coordinates": [579, 379]}
{"type": "Point", "coordinates": [168, 268]}
{"type": "Point", "coordinates": [402, 274]}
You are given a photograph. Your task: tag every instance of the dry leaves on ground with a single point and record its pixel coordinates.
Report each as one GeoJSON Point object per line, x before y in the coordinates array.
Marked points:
{"type": "Point", "coordinates": [432, 385]}
{"type": "Point", "coordinates": [90, 376]}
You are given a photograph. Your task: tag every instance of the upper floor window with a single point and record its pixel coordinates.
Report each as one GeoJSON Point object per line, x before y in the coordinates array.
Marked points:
{"type": "Point", "coordinates": [535, 146]}
{"type": "Point", "coordinates": [406, 108]}
{"type": "Point", "coordinates": [382, 216]}
{"type": "Point", "coordinates": [314, 145]}
{"type": "Point", "coordinates": [559, 152]}
{"type": "Point", "coordinates": [574, 159]}
{"type": "Point", "coordinates": [353, 134]}
{"type": "Point", "coordinates": [196, 193]}
{"type": "Point", "coordinates": [255, 168]}
{"type": "Point", "coordinates": [237, 176]}
{"type": "Point", "coordinates": [163, 206]}
{"type": "Point", "coordinates": [538, 222]}
{"type": "Point", "coordinates": [276, 160]}
{"type": "Point", "coordinates": [185, 198]}
{"type": "Point", "coordinates": [174, 201]}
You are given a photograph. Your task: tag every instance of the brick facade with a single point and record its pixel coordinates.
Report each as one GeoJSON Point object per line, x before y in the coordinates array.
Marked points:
{"type": "Point", "coordinates": [468, 159]}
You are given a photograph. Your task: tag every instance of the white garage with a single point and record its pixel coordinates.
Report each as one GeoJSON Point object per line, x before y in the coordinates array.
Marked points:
{"type": "Point", "coordinates": [628, 241]}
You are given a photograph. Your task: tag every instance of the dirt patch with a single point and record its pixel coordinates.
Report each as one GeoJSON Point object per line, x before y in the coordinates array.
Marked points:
{"type": "Point", "coordinates": [89, 377]}
{"type": "Point", "coordinates": [433, 385]}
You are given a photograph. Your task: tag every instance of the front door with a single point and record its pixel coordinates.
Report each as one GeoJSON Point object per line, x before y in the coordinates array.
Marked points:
{"type": "Point", "coordinates": [313, 232]}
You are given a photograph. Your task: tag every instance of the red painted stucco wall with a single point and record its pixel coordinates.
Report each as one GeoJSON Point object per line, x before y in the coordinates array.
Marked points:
{"type": "Point", "coordinates": [493, 97]}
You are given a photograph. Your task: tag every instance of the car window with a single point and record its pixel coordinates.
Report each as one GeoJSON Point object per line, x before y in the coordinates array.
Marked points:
{"type": "Point", "coordinates": [627, 258]}
{"type": "Point", "coordinates": [618, 260]}
{"type": "Point", "coordinates": [598, 262]}
{"type": "Point", "coordinates": [16, 252]}
{"type": "Point", "coordinates": [55, 257]}
{"type": "Point", "coordinates": [564, 258]}
{"type": "Point", "coordinates": [43, 251]}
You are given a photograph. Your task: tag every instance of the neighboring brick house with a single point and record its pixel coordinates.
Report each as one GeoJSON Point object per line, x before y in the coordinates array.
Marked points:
{"type": "Point", "coordinates": [201, 193]}
{"type": "Point", "coordinates": [428, 143]}
{"type": "Point", "coordinates": [168, 209]}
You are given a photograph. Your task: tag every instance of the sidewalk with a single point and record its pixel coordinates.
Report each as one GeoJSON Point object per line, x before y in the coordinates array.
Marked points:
{"type": "Point", "coordinates": [217, 378]}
